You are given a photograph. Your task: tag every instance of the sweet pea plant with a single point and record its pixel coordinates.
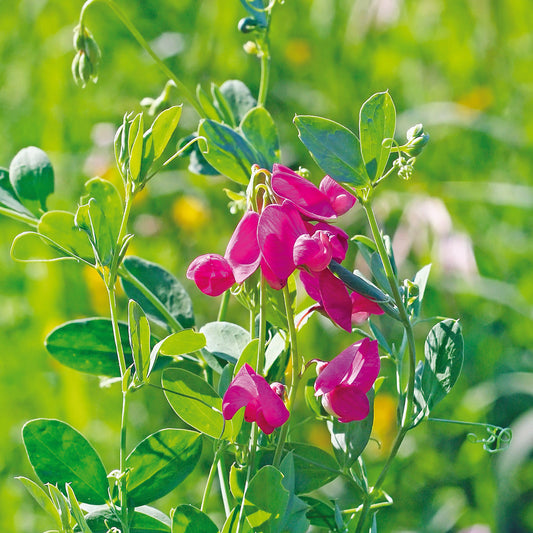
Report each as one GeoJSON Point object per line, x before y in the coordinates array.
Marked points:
{"type": "Point", "coordinates": [236, 387]}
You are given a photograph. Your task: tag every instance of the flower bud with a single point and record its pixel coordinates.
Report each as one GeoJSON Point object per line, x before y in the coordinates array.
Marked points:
{"type": "Point", "coordinates": [415, 146]}
{"type": "Point", "coordinates": [414, 132]}
{"type": "Point", "coordinates": [251, 48]}
{"type": "Point", "coordinates": [87, 59]}
{"type": "Point", "coordinates": [249, 24]}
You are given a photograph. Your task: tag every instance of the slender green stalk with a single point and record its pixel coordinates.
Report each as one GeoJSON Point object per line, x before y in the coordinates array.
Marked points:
{"type": "Point", "coordinates": [262, 327]}
{"type": "Point", "coordinates": [223, 309]}
{"type": "Point", "coordinates": [265, 74]}
{"type": "Point", "coordinates": [210, 478]}
{"type": "Point", "coordinates": [251, 466]}
{"type": "Point", "coordinates": [20, 217]}
{"type": "Point", "coordinates": [407, 408]}
{"type": "Point", "coordinates": [295, 375]}
{"type": "Point", "coordinates": [116, 331]}
{"type": "Point", "coordinates": [123, 494]}
{"type": "Point", "coordinates": [142, 41]}
{"type": "Point", "coordinates": [224, 485]}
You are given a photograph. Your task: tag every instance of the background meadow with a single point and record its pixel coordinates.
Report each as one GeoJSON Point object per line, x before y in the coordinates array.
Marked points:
{"type": "Point", "coordinates": [462, 68]}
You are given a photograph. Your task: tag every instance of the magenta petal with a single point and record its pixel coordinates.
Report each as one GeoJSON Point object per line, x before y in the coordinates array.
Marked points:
{"type": "Point", "coordinates": [338, 240]}
{"type": "Point", "coordinates": [272, 409]}
{"type": "Point", "coordinates": [270, 277]}
{"type": "Point", "coordinates": [279, 227]}
{"type": "Point", "coordinates": [356, 366]}
{"type": "Point", "coordinates": [310, 283]}
{"type": "Point", "coordinates": [335, 299]}
{"type": "Point", "coordinates": [347, 403]}
{"type": "Point", "coordinates": [340, 199]}
{"type": "Point", "coordinates": [312, 251]}
{"type": "Point", "coordinates": [211, 273]}
{"type": "Point", "coordinates": [362, 308]}
{"type": "Point", "coordinates": [305, 195]}
{"type": "Point", "coordinates": [242, 252]}
{"type": "Point", "coordinates": [241, 391]}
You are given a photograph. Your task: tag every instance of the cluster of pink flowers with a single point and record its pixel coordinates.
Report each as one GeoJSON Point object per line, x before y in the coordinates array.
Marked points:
{"type": "Point", "coordinates": [288, 235]}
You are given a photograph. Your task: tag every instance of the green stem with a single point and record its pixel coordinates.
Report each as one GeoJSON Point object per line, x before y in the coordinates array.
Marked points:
{"type": "Point", "coordinates": [116, 331]}
{"type": "Point", "coordinates": [295, 375]}
{"type": "Point", "coordinates": [223, 309]}
{"type": "Point", "coordinates": [142, 41]}
{"type": "Point", "coordinates": [224, 486]}
{"type": "Point", "coordinates": [265, 73]}
{"type": "Point", "coordinates": [123, 450]}
{"type": "Point", "coordinates": [407, 408]}
{"type": "Point", "coordinates": [262, 327]}
{"type": "Point", "coordinates": [20, 217]}
{"type": "Point", "coordinates": [251, 465]}
{"type": "Point", "coordinates": [210, 479]}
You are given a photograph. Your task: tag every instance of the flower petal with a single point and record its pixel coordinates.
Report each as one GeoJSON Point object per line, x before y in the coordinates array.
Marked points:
{"type": "Point", "coordinates": [211, 273]}
{"type": "Point", "coordinates": [340, 199]}
{"type": "Point", "coordinates": [242, 252]}
{"type": "Point", "coordinates": [305, 195]}
{"type": "Point", "coordinates": [241, 392]}
{"type": "Point", "coordinates": [347, 403]}
{"type": "Point", "coordinates": [279, 227]}
{"type": "Point", "coordinates": [362, 308]}
{"type": "Point", "coordinates": [335, 299]}
{"type": "Point", "coordinates": [312, 251]}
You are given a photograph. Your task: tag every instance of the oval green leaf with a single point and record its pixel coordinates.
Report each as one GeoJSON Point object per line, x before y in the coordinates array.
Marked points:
{"type": "Point", "coordinates": [8, 197]}
{"type": "Point", "coordinates": [88, 345]}
{"type": "Point", "coordinates": [260, 130]}
{"type": "Point", "coordinates": [158, 292]}
{"type": "Point", "coordinates": [194, 401]}
{"type": "Point", "coordinates": [163, 128]}
{"type": "Point", "coordinates": [377, 124]}
{"type": "Point", "coordinates": [188, 519]}
{"type": "Point", "coordinates": [160, 463]}
{"type": "Point", "coordinates": [143, 520]}
{"type": "Point", "coordinates": [60, 454]}
{"type": "Point", "coordinates": [335, 148]}
{"type": "Point", "coordinates": [225, 340]}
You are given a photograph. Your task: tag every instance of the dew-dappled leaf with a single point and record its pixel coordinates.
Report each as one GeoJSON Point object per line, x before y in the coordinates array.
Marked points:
{"type": "Point", "coordinates": [350, 439]}
{"type": "Point", "coordinates": [260, 130]}
{"type": "Point", "coordinates": [194, 401]}
{"type": "Point", "coordinates": [160, 463]}
{"type": "Point", "coordinates": [144, 519]}
{"type": "Point", "coordinates": [377, 124]}
{"type": "Point", "coordinates": [60, 454]}
{"type": "Point", "coordinates": [225, 340]}
{"type": "Point", "coordinates": [238, 97]}
{"type": "Point", "coordinates": [88, 345]}
{"type": "Point", "coordinates": [335, 148]}
{"type": "Point", "coordinates": [444, 353]}
{"type": "Point", "coordinates": [188, 519]}
{"type": "Point", "coordinates": [8, 196]}
{"type": "Point", "coordinates": [227, 151]}
{"type": "Point", "coordinates": [31, 174]}
{"type": "Point", "coordinates": [163, 127]}
{"type": "Point", "coordinates": [163, 287]}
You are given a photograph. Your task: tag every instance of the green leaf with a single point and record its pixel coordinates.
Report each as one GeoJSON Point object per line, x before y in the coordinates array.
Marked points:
{"type": "Point", "coordinates": [335, 148]}
{"type": "Point", "coordinates": [194, 401]}
{"type": "Point", "coordinates": [444, 353]}
{"type": "Point", "coordinates": [76, 511]}
{"type": "Point", "coordinates": [162, 287]}
{"type": "Point", "coordinates": [186, 341]}
{"type": "Point", "coordinates": [8, 197]}
{"type": "Point", "coordinates": [188, 519]}
{"type": "Point", "coordinates": [377, 124]}
{"type": "Point", "coordinates": [160, 463]}
{"type": "Point", "coordinates": [350, 439]}
{"type": "Point", "coordinates": [209, 109]}
{"type": "Point", "coordinates": [59, 454]}
{"type": "Point", "coordinates": [228, 151]}
{"type": "Point", "coordinates": [420, 280]}
{"type": "Point", "coordinates": [256, 8]}
{"type": "Point", "coordinates": [62, 505]}
{"type": "Point", "coordinates": [265, 507]}
{"type": "Point", "coordinates": [31, 175]}
{"type": "Point", "coordinates": [143, 520]}
{"type": "Point", "coordinates": [163, 127]}
{"type": "Point", "coordinates": [88, 345]}
{"type": "Point", "coordinates": [260, 130]}
{"type": "Point", "coordinates": [60, 228]}
{"type": "Point", "coordinates": [231, 524]}
{"type": "Point", "coordinates": [225, 340]}
{"type": "Point", "coordinates": [248, 356]}
{"type": "Point", "coordinates": [43, 499]}
{"type": "Point", "coordinates": [136, 145]}
{"type": "Point", "coordinates": [238, 97]}
{"type": "Point", "coordinates": [139, 335]}
{"type": "Point", "coordinates": [320, 514]}
{"type": "Point", "coordinates": [222, 106]}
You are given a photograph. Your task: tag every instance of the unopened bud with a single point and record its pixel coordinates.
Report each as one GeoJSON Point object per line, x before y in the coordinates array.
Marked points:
{"type": "Point", "coordinates": [251, 48]}
{"type": "Point", "coordinates": [87, 59]}
{"type": "Point", "coordinates": [415, 146]}
{"type": "Point", "coordinates": [249, 24]}
{"type": "Point", "coordinates": [279, 389]}
{"type": "Point", "coordinates": [414, 132]}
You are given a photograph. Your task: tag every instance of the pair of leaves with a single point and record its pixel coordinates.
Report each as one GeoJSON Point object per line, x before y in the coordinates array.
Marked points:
{"type": "Point", "coordinates": [435, 377]}
{"type": "Point", "coordinates": [341, 154]}
{"type": "Point", "coordinates": [60, 455]}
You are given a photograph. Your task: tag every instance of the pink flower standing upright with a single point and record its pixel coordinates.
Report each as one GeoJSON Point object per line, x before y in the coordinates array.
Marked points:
{"type": "Point", "coordinates": [344, 382]}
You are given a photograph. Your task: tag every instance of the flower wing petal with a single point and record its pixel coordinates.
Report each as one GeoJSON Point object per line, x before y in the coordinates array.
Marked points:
{"type": "Point", "coordinates": [242, 252]}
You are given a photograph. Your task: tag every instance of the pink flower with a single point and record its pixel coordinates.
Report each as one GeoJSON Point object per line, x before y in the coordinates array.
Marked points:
{"type": "Point", "coordinates": [318, 203]}
{"type": "Point", "coordinates": [362, 308]}
{"type": "Point", "coordinates": [262, 401]}
{"type": "Point", "coordinates": [343, 383]}
{"type": "Point", "coordinates": [211, 273]}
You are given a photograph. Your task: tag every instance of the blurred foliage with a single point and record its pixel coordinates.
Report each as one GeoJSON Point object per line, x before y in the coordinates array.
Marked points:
{"type": "Point", "coordinates": [461, 68]}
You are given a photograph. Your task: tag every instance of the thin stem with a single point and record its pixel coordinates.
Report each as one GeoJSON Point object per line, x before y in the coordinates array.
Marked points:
{"type": "Point", "coordinates": [142, 41]}
{"type": "Point", "coordinates": [295, 374]}
{"type": "Point", "coordinates": [262, 327]}
{"type": "Point", "coordinates": [116, 330]}
{"type": "Point", "coordinates": [224, 485]}
{"type": "Point", "coordinates": [223, 309]}
{"type": "Point", "coordinates": [251, 465]}
{"type": "Point", "coordinates": [210, 479]}
{"type": "Point", "coordinates": [20, 217]}
{"type": "Point", "coordinates": [265, 73]}
{"type": "Point", "coordinates": [123, 450]}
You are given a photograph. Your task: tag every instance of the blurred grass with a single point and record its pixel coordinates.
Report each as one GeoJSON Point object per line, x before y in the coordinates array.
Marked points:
{"type": "Point", "coordinates": [461, 68]}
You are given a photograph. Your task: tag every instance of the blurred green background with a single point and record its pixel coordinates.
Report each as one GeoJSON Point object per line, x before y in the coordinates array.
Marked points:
{"type": "Point", "coordinates": [463, 68]}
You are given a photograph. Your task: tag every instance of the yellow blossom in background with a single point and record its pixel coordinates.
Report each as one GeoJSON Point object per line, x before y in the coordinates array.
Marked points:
{"type": "Point", "coordinates": [189, 213]}
{"type": "Point", "coordinates": [479, 98]}
{"type": "Point", "coordinates": [384, 428]}
{"type": "Point", "coordinates": [298, 52]}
